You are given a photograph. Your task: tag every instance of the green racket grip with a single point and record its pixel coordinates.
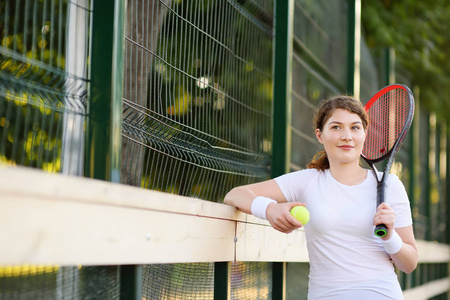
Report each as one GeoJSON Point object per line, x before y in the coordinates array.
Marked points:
{"type": "Point", "coordinates": [380, 230]}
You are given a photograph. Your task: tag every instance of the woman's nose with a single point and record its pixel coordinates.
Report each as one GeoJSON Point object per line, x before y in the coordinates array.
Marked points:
{"type": "Point", "coordinates": [346, 135]}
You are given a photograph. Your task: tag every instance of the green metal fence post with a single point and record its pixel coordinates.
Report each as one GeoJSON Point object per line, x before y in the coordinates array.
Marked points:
{"type": "Point", "coordinates": [104, 127]}
{"type": "Point", "coordinates": [222, 281]}
{"type": "Point", "coordinates": [413, 136]}
{"type": "Point", "coordinates": [354, 47]}
{"type": "Point", "coordinates": [282, 114]}
{"type": "Point", "coordinates": [428, 175]}
{"type": "Point", "coordinates": [389, 66]}
{"type": "Point", "coordinates": [437, 168]}
{"type": "Point", "coordinates": [414, 172]}
{"type": "Point", "coordinates": [104, 140]}
{"type": "Point", "coordinates": [447, 181]}
{"type": "Point", "coordinates": [131, 282]}
{"type": "Point", "coordinates": [282, 87]}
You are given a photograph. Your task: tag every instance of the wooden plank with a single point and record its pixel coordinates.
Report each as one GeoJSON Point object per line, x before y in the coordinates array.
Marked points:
{"type": "Point", "coordinates": [57, 219]}
{"type": "Point", "coordinates": [40, 231]}
{"type": "Point", "coordinates": [433, 252]}
{"type": "Point", "coordinates": [428, 290]}
{"type": "Point", "coordinates": [263, 243]}
{"type": "Point", "coordinates": [20, 181]}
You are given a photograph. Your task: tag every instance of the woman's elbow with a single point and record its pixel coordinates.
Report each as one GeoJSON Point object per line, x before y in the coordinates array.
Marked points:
{"type": "Point", "coordinates": [413, 264]}
{"type": "Point", "coordinates": [410, 269]}
{"type": "Point", "coordinates": [228, 199]}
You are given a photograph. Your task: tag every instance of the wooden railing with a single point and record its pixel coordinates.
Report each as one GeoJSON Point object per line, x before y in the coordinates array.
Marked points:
{"type": "Point", "coordinates": [53, 219]}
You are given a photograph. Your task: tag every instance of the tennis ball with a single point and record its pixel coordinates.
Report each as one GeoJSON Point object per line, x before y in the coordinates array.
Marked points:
{"type": "Point", "coordinates": [301, 214]}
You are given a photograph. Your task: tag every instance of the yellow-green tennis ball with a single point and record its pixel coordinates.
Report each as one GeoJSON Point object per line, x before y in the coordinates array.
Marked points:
{"type": "Point", "coordinates": [301, 214]}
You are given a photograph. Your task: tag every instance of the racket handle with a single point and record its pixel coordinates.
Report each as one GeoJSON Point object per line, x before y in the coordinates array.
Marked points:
{"type": "Point", "coordinates": [380, 230]}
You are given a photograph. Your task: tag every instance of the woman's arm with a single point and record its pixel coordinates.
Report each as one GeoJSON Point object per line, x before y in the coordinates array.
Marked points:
{"type": "Point", "coordinates": [242, 196]}
{"type": "Point", "coordinates": [407, 258]}
{"type": "Point", "coordinates": [277, 213]}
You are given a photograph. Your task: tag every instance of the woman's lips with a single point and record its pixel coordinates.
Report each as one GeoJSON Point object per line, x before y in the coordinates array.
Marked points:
{"type": "Point", "coordinates": [346, 147]}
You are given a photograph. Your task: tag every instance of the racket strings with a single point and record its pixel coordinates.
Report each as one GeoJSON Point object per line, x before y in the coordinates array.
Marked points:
{"type": "Point", "coordinates": [387, 119]}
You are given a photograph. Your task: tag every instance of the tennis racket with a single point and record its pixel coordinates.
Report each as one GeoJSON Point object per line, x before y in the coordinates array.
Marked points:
{"type": "Point", "coordinates": [390, 112]}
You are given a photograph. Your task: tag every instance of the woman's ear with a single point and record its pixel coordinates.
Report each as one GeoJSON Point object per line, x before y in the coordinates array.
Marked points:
{"type": "Point", "coordinates": [319, 135]}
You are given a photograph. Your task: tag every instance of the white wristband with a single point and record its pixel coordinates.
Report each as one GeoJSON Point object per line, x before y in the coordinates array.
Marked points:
{"type": "Point", "coordinates": [259, 206]}
{"type": "Point", "coordinates": [394, 244]}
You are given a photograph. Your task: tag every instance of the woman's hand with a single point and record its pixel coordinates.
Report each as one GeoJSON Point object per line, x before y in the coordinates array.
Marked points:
{"type": "Point", "coordinates": [279, 216]}
{"type": "Point", "coordinates": [385, 215]}
{"type": "Point", "coordinates": [407, 257]}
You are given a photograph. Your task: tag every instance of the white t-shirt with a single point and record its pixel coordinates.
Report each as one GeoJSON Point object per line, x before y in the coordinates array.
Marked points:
{"type": "Point", "coordinates": [347, 260]}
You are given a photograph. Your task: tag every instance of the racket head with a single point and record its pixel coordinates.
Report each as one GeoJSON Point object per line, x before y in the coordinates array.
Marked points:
{"type": "Point", "coordinates": [390, 112]}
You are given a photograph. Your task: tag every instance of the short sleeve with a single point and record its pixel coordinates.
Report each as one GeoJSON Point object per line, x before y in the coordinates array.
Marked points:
{"type": "Point", "coordinates": [398, 199]}
{"type": "Point", "coordinates": [293, 185]}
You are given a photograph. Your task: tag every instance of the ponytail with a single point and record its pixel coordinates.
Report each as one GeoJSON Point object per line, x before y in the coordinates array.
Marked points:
{"type": "Point", "coordinates": [319, 162]}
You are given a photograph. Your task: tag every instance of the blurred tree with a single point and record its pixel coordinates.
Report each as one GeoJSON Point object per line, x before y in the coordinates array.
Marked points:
{"type": "Point", "coordinates": [418, 31]}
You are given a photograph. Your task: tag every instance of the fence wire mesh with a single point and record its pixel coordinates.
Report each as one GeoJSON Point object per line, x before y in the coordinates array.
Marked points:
{"type": "Point", "coordinates": [198, 95]}
{"type": "Point", "coordinates": [251, 280]}
{"type": "Point", "coordinates": [178, 281]}
{"type": "Point", "coordinates": [43, 82]}
{"type": "Point", "coordinates": [43, 77]}
{"type": "Point", "coordinates": [318, 69]}
{"type": "Point", "coordinates": [53, 282]}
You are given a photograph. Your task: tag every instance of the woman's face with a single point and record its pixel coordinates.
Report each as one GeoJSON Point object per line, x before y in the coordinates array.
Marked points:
{"type": "Point", "coordinates": [343, 137]}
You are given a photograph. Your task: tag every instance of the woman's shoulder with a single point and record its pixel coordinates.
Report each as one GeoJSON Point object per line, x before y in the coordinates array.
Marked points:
{"type": "Point", "coordinates": [395, 184]}
{"type": "Point", "coordinates": [294, 184]}
{"type": "Point", "coordinates": [304, 174]}
{"type": "Point", "coordinates": [393, 178]}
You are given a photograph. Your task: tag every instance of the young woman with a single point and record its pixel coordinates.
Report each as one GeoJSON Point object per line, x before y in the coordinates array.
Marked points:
{"type": "Point", "coordinates": [347, 260]}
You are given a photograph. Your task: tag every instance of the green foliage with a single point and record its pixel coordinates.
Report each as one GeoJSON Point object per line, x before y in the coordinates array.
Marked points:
{"type": "Point", "coordinates": [418, 31]}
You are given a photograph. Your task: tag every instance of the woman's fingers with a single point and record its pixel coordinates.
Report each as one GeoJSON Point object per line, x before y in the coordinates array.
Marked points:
{"type": "Point", "coordinates": [384, 215]}
{"type": "Point", "coordinates": [280, 218]}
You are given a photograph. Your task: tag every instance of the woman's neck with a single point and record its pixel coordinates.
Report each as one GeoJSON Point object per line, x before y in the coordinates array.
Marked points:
{"type": "Point", "coordinates": [349, 174]}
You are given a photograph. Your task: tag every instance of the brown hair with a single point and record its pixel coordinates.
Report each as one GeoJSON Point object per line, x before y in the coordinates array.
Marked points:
{"type": "Point", "coordinates": [324, 112]}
